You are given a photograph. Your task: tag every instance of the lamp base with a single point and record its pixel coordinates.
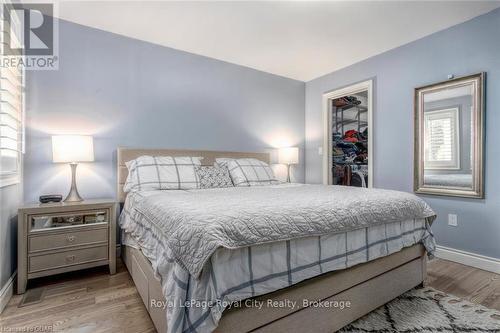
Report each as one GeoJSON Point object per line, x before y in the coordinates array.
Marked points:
{"type": "Point", "coordinates": [288, 173]}
{"type": "Point", "coordinates": [73, 195]}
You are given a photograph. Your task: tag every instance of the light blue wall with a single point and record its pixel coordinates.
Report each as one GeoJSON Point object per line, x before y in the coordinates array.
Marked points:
{"type": "Point", "coordinates": [467, 48]}
{"type": "Point", "coordinates": [126, 92]}
{"type": "Point", "coordinates": [10, 198]}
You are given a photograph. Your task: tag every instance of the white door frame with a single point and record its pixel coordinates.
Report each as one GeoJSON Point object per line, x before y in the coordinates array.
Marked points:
{"type": "Point", "coordinates": [327, 122]}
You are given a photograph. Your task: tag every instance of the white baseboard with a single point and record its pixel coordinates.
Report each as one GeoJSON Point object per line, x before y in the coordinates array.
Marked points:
{"type": "Point", "coordinates": [7, 291]}
{"type": "Point", "coordinates": [467, 258]}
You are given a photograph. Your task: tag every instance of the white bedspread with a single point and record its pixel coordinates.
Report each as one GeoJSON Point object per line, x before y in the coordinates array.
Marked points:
{"type": "Point", "coordinates": [193, 224]}
{"type": "Point", "coordinates": [196, 301]}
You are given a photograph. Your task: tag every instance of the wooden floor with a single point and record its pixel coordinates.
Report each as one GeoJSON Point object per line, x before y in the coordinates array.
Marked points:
{"type": "Point", "coordinates": [85, 302]}
{"type": "Point", "coordinates": [93, 301]}
{"type": "Point", "coordinates": [472, 284]}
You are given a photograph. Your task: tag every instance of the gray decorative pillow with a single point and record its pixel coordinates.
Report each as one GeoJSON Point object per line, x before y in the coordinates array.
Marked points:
{"type": "Point", "coordinates": [213, 176]}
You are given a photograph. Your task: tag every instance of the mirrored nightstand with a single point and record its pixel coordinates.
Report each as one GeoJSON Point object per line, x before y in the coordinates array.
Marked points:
{"type": "Point", "coordinates": [61, 237]}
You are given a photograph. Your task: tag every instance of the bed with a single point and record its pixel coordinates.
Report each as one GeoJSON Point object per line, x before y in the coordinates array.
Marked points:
{"type": "Point", "coordinates": [298, 275]}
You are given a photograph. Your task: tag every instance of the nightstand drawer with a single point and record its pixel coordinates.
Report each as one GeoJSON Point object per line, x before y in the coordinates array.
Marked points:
{"type": "Point", "coordinates": [67, 258]}
{"type": "Point", "coordinates": [52, 241]}
{"type": "Point", "coordinates": [68, 220]}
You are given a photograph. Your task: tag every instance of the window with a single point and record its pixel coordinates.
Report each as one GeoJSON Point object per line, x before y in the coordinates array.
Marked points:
{"type": "Point", "coordinates": [442, 149]}
{"type": "Point", "coordinates": [11, 121]}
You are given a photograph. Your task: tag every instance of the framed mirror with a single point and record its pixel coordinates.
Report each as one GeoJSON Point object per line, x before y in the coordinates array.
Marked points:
{"type": "Point", "coordinates": [449, 135]}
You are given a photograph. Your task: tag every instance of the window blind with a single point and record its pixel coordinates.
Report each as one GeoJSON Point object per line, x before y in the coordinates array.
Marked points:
{"type": "Point", "coordinates": [11, 117]}
{"type": "Point", "coordinates": [441, 139]}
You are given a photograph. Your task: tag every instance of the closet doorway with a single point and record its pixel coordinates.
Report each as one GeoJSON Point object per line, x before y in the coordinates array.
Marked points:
{"type": "Point", "coordinates": [348, 143]}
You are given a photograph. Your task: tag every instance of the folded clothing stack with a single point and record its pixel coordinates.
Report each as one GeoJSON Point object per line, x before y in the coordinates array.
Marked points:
{"type": "Point", "coordinates": [351, 147]}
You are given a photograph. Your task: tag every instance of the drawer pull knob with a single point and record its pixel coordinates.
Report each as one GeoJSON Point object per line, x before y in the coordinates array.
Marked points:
{"type": "Point", "coordinates": [70, 258]}
{"type": "Point", "coordinates": [71, 239]}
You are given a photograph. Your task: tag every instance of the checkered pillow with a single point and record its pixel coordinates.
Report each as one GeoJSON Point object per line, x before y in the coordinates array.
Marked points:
{"type": "Point", "coordinates": [213, 177]}
{"type": "Point", "coordinates": [162, 173]}
{"type": "Point", "coordinates": [251, 172]}
{"type": "Point", "coordinates": [223, 161]}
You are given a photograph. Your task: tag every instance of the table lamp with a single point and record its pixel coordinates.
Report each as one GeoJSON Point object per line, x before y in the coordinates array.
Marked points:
{"type": "Point", "coordinates": [288, 156]}
{"type": "Point", "coordinates": [72, 149]}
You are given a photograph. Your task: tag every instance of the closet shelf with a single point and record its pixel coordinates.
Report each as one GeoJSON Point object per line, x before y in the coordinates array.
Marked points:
{"type": "Point", "coordinates": [361, 109]}
{"type": "Point", "coordinates": [352, 121]}
{"type": "Point", "coordinates": [350, 163]}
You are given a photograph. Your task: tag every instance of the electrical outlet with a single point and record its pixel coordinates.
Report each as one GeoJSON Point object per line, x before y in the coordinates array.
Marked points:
{"type": "Point", "coordinates": [452, 220]}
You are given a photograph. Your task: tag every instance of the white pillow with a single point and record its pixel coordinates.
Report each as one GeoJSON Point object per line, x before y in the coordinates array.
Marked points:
{"type": "Point", "coordinates": [251, 172]}
{"type": "Point", "coordinates": [162, 173]}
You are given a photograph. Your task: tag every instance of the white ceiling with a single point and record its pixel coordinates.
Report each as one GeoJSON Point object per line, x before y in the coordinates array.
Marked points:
{"type": "Point", "coordinates": [299, 40]}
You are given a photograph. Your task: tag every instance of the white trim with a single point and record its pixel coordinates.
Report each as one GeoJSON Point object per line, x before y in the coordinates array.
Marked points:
{"type": "Point", "coordinates": [7, 291]}
{"type": "Point", "coordinates": [327, 156]}
{"type": "Point", "coordinates": [467, 258]}
{"type": "Point", "coordinates": [9, 181]}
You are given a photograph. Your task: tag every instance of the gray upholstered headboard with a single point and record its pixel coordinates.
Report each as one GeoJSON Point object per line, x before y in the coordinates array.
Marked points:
{"type": "Point", "coordinates": [127, 154]}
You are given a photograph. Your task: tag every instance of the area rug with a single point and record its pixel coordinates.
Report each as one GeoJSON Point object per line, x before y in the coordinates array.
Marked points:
{"type": "Point", "coordinates": [427, 310]}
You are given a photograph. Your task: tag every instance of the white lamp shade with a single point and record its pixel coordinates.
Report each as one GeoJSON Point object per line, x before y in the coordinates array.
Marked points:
{"type": "Point", "coordinates": [72, 148]}
{"type": "Point", "coordinates": [288, 155]}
